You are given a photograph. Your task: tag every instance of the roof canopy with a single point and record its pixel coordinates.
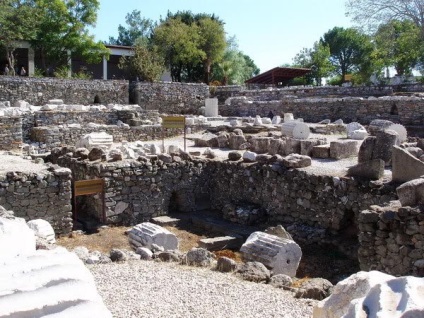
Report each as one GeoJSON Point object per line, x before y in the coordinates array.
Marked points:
{"type": "Point", "coordinates": [278, 75]}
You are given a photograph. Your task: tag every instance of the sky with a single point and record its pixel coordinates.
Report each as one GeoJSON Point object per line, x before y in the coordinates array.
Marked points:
{"type": "Point", "coordinates": [271, 32]}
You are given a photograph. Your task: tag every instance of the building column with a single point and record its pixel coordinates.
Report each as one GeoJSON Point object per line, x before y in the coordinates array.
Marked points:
{"type": "Point", "coordinates": [104, 68]}
{"type": "Point", "coordinates": [31, 62]}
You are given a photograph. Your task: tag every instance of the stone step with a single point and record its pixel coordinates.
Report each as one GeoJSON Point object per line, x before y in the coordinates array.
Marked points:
{"type": "Point", "coordinates": [165, 221]}
{"type": "Point", "coordinates": [221, 242]}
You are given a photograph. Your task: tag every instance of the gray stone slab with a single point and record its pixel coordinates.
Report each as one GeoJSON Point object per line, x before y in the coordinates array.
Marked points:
{"type": "Point", "coordinates": [165, 221]}
{"type": "Point", "coordinates": [221, 242]}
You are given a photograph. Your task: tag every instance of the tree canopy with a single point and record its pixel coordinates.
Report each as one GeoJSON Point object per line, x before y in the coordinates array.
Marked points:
{"type": "Point", "coordinates": [350, 50]}
{"type": "Point", "coordinates": [138, 30]}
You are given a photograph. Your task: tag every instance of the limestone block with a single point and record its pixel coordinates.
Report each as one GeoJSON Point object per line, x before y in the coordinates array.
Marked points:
{"type": "Point", "coordinates": [258, 121]}
{"type": "Point", "coordinates": [415, 151]}
{"type": "Point", "coordinates": [95, 140]}
{"type": "Point", "coordinates": [199, 257]}
{"type": "Point", "coordinates": [338, 122]}
{"type": "Point", "coordinates": [343, 149]}
{"type": "Point", "coordinates": [295, 129]}
{"type": "Point", "coordinates": [56, 101]}
{"type": "Point", "coordinates": [296, 161]}
{"type": "Point", "coordinates": [146, 234]}
{"type": "Point", "coordinates": [154, 149]}
{"type": "Point", "coordinates": [275, 146]}
{"type": "Point", "coordinates": [374, 294]}
{"type": "Point", "coordinates": [359, 134]}
{"type": "Point", "coordinates": [221, 242]}
{"type": "Point", "coordinates": [236, 142]}
{"type": "Point", "coordinates": [373, 169]}
{"type": "Point", "coordinates": [42, 229]}
{"type": "Point", "coordinates": [346, 292]}
{"type": "Point", "coordinates": [48, 283]}
{"type": "Point", "coordinates": [281, 256]}
{"type": "Point", "coordinates": [384, 144]}
{"type": "Point", "coordinates": [400, 130]}
{"type": "Point", "coordinates": [16, 238]}
{"type": "Point", "coordinates": [189, 121]}
{"type": "Point", "coordinates": [234, 123]}
{"type": "Point", "coordinates": [351, 127]}
{"type": "Point", "coordinates": [366, 149]}
{"type": "Point", "coordinates": [411, 193]}
{"type": "Point", "coordinates": [306, 146]}
{"type": "Point", "coordinates": [211, 107]}
{"type": "Point", "coordinates": [405, 167]}
{"type": "Point", "coordinates": [288, 117]}
{"type": "Point", "coordinates": [260, 144]}
{"type": "Point", "coordinates": [276, 120]}
{"type": "Point", "coordinates": [249, 156]}
{"type": "Point", "coordinates": [322, 151]}
{"type": "Point", "coordinates": [266, 121]}
{"type": "Point", "coordinates": [378, 125]}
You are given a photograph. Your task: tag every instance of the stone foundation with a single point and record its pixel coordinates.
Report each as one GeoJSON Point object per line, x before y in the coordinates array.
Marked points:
{"type": "Point", "coordinates": [391, 239]}
{"type": "Point", "coordinates": [43, 195]}
{"type": "Point", "coordinates": [38, 91]}
{"type": "Point", "coordinates": [10, 133]}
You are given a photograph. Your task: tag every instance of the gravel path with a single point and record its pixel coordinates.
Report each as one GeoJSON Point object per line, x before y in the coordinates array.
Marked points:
{"type": "Point", "coordinates": [152, 289]}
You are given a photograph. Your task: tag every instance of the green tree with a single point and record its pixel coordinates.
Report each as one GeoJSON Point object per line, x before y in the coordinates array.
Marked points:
{"type": "Point", "coordinates": [62, 27]}
{"type": "Point", "coordinates": [350, 51]}
{"type": "Point", "coordinates": [138, 30]}
{"type": "Point", "coordinates": [18, 21]}
{"type": "Point", "coordinates": [146, 63]}
{"type": "Point", "coordinates": [212, 43]}
{"type": "Point", "coordinates": [398, 44]}
{"type": "Point", "coordinates": [179, 44]}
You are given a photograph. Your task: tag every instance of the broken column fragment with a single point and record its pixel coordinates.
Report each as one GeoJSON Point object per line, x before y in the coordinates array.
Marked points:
{"type": "Point", "coordinates": [146, 234]}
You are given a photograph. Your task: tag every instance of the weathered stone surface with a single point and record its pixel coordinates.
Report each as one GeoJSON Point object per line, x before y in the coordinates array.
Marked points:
{"type": "Point", "coordinates": [417, 152]}
{"type": "Point", "coordinates": [378, 125]}
{"type": "Point", "coordinates": [146, 234]}
{"type": "Point", "coordinates": [374, 294]}
{"type": "Point", "coordinates": [296, 161]}
{"type": "Point", "coordinates": [117, 255]}
{"type": "Point", "coordinates": [165, 220]}
{"type": "Point", "coordinates": [254, 272]}
{"type": "Point", "coordinates": [234, 156]}
{"type": "Point", "coordinates": [199, 257]}
{"type": "Point", "coordinates": [145, 253]}
{"type": "Point", "coordinates": [356, 131]}
{"type": "Point", "coordinates": [307, 146]}
{"type": "Point", "coordinates": [405, 167]}
{"type": "Point", "coordinates": [384, 145]}
{"type": "Point", "coordinates": [221, 242]}
{"type": "Point", "coordinates": [16, 238]}
{"type": "Point", "coordinates": [54, 282]}
{"type": "Point", "coordinates": [373, 169]}
{"type": "Point", "coordinates": [411, 193]}
{"type": "Point", "coordinates": [96, 154]}
{"type": "Point", "coordinates": [321, 151]}
{"type": "Point", "coordinates": [343, 149]}
{"type": "Point", "coordinates": [315, 288]}
{"type": "Point", "coordinates": [279, 231]}
{"type": "Point", "coordinates": [226, 265]}
{"type": "Point", "coordinates": [42, 229]}
{"type": "Point", "coordinates": [281, 256]}
{"type": "Point", "coordinates": [260, 145]}
{"type": "Point", "coordinates": [366, 149]}
{"type": "Point", "coordinates": [249, 156]}
{"type": "Point", "coordinates": [95, 140]}
{"type": "Point", "coordinates": [280, 281]}
{"type": "Point", "coordinates": [169, 256]}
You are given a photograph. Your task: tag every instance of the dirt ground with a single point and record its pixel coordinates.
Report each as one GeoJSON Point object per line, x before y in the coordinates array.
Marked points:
{"type": "Point", "coordinates": [316, 262]}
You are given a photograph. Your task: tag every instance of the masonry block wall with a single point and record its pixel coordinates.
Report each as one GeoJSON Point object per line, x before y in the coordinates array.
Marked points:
{"type": "Point", "coordinates": [10, 133]}
{"type": "Point", "coordinates": [403, 110]}
{"type": "Point", "coordinates": [39, 195]}
{"type": "Point", "coordinates": [38, 91]}
{"type": "Point", "coordinates": [170, 98]}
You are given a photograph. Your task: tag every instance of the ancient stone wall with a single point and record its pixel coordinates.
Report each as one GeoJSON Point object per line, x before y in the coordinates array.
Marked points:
{"type": "Point", "coordinates": [51, 118]}
{"type": "Point", "coordinates": [403, 110]}
{"type": "Point", "coordinates": [10, 133]}
{"type": "Point", "coordinates": [44, 195]}
{"type": "Point", "coordinates": [137, 191]}
{"type": "Point", "coordinates": [391, 239]}
{"type": "Point", "coordinates": [224, 92]}
{"type": "Point", "coordinates": [170, 98]}
{"type": "Point", "coordinates": [54, 136]}
{"type": "Point", "coordinates": [38, 91]}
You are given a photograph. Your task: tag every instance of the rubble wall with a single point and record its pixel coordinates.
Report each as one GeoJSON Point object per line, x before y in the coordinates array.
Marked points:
{"type": "Point", "coordinates": [403, 110]}
{"type": "Point", "coordinates": [224, 92]}
{"type": "Point", "coordinates": [10, 133]}
{"type": "Point", "coordinates": [391, 239]}
{"type": "Point", "coordinates": [51, 118]}
{"type": "Point", "coordinates": [288, 196]}
{"type": "Point", "coordinates": [38, 91]}
{"type": "Point", "coordinates": [45, 195]}
{"type": "Point", "coordinates": [54, 136]}
{"type": "Point", "coordinates": [170, 97]}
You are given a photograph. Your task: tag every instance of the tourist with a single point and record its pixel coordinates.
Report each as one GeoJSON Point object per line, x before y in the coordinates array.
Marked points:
{"type": "Point", "coordinates": [23, 71]}
{"type": "Point", "coordinates": [6, 70]}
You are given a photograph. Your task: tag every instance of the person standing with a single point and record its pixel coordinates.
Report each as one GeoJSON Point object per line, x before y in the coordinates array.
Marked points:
{"type": "Point", "coordinates": [23, 71]}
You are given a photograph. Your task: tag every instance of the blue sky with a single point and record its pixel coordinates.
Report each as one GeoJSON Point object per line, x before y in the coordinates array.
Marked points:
{"type": "Point", "coordinates": [271, 32]}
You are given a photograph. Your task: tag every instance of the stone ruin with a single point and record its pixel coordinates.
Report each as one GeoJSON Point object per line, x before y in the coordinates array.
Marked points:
{"type": "Point", "coordinates": [273, 159]}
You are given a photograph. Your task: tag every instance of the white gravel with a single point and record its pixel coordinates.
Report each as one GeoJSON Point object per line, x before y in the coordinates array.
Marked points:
{"type": "Point", "coordinates": [154, 289]}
